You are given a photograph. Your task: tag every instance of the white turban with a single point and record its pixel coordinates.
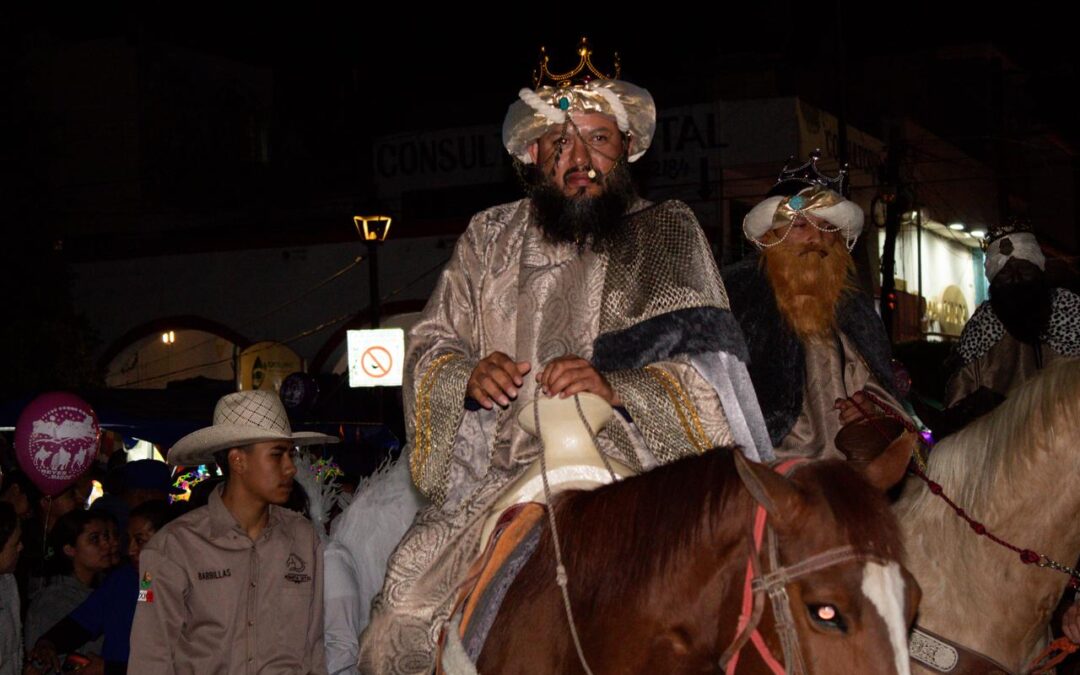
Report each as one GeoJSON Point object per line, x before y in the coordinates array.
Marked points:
{"type": "Point", "coordinates": [1020, 245]}
{"type": "Point", "coordinates": [529, 117]}
{"type": "Point", "coordinates": [780, 211]}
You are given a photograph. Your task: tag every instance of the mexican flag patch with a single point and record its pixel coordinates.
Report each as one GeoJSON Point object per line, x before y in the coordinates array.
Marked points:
{"type": "Point", "coordinates": [146, 594]}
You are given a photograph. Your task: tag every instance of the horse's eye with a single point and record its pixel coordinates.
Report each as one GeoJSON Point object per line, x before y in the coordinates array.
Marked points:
{"type": "Point", "coordinates": [828, 617]}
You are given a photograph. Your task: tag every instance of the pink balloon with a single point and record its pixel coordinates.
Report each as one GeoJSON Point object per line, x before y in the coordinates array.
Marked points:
{"type": "Point", "coordinates": [56, 440]}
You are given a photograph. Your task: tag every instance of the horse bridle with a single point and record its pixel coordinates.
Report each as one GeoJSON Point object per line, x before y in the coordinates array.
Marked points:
{"type": "Point", "coordinates": [774, 584]}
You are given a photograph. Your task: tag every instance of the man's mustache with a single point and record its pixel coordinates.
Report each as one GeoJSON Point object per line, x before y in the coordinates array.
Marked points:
{"type": "Point", "coordinates": [595, 176]}
{"type": "Point", "coordinates": [810, 249]}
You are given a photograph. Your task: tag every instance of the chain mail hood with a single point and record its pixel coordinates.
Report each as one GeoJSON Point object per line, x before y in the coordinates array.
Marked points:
{"type": "Point", "coordinates": [682, 314]}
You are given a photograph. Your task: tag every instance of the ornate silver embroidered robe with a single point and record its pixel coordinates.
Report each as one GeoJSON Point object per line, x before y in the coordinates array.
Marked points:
{"type": "Point", "coordinates": [651, 314]}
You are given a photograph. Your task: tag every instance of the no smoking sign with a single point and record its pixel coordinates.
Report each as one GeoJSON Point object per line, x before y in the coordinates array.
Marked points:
{"type": "Point", "coordinates": [376, 357]}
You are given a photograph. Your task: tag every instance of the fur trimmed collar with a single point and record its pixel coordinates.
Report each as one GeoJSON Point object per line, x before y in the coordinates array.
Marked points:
{"type": "Point", "coordinates": [777, 360]}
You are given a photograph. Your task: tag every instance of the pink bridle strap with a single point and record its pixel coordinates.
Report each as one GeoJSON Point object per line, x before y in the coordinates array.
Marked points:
{"type": "Point", "coordinates": [752, 603]}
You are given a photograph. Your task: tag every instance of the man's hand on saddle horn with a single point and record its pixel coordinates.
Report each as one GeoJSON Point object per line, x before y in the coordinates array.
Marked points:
{"type": "Point", "coordinates": [496, 379]}
{"type": "Point", "coordinates": [570, 374]}
{"type": "Point", "coordinates": [850, 412]}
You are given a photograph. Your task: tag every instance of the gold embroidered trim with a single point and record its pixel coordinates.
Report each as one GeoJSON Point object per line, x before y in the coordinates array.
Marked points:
{"type": "Point", "coordinates": [422, 441]}
{"type": "Point", "coordinates": [684, 407]}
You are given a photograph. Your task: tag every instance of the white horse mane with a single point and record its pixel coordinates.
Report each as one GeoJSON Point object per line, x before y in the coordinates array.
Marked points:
{"type": "Point", "coordinates": [1014, 470]}
{"type": "Point", "coordinates": [987, 457]}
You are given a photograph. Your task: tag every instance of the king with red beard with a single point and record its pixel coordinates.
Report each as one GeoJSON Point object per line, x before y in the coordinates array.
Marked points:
{"type": "Point", "coordinates": [817, 346]}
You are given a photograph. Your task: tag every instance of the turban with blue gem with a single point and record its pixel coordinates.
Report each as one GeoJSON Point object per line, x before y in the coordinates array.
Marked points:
{"type": "Point", "coordinates": [529, 117]}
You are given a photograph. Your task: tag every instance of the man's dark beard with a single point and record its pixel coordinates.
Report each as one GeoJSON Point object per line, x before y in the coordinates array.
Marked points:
{"type": "Point", "coordinates": [589, 222]}
{"type": "Point", "coordinates": [1024, 307]}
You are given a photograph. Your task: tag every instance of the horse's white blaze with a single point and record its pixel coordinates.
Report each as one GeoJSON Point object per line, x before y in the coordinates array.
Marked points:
{"type": "Point", "coordinates": [884, 586]}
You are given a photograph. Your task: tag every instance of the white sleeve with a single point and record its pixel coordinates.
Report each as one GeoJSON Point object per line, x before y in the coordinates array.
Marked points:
{"type": "Point", "coordinates": [344, 611]}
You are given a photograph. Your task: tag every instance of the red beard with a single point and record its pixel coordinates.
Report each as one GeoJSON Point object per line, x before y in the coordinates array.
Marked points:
{"type": "Point", "coordinates": [808, 280]}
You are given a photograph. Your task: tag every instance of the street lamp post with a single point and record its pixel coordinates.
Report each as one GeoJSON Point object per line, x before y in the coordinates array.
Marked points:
{"type": "Point", "coordinates": [374, 230]}
{"type": "Point", "coordinates": [373, 281]}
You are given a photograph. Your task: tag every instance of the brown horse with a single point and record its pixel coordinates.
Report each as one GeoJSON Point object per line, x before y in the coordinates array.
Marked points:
{"type": "Point", "coordinates": [658, 564]}
{"type": "Point", "coordinates": [1017, 471]}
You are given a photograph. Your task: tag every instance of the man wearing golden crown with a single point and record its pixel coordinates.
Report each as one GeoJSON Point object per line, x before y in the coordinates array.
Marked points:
{"type": "Point", "coordinates": [581, 287]}
{"type": "Point", "coordinates": [819, 355]}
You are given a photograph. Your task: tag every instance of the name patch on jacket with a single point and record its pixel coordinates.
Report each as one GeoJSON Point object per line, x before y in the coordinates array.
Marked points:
{"type": "Point", "coordinates": [210, 575]}
{"type": "Point", "coordinates": [296, 567]}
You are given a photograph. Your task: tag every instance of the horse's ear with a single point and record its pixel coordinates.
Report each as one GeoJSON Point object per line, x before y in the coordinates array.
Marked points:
{"type": "Point", "coordinates": [888, 468]}
{"type": "Point", "coordinates": [776, 493]}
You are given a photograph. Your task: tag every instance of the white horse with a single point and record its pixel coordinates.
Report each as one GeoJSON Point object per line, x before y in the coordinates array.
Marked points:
{"type": "Point", "coordinates": [1016, 471]}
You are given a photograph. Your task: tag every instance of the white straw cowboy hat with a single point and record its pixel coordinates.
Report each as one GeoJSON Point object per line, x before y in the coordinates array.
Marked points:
{"type": "Point", "coordinates": [241, 419]}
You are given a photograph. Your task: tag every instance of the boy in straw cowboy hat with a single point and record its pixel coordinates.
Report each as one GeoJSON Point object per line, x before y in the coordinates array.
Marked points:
{"type": "Point", "coordinates": [235, 586]}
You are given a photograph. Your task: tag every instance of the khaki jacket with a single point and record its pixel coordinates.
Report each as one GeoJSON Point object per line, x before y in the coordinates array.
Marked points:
{"type": "Point", "coordinates": [213, 602]}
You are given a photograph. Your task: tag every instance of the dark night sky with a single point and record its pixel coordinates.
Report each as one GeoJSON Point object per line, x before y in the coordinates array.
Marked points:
{"type": "Point", "coordinates": [462, 65]}
{"type": "Point", "coordinates": [342, 76]}
{"type": "Point", "coordinates": [410, 57]}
